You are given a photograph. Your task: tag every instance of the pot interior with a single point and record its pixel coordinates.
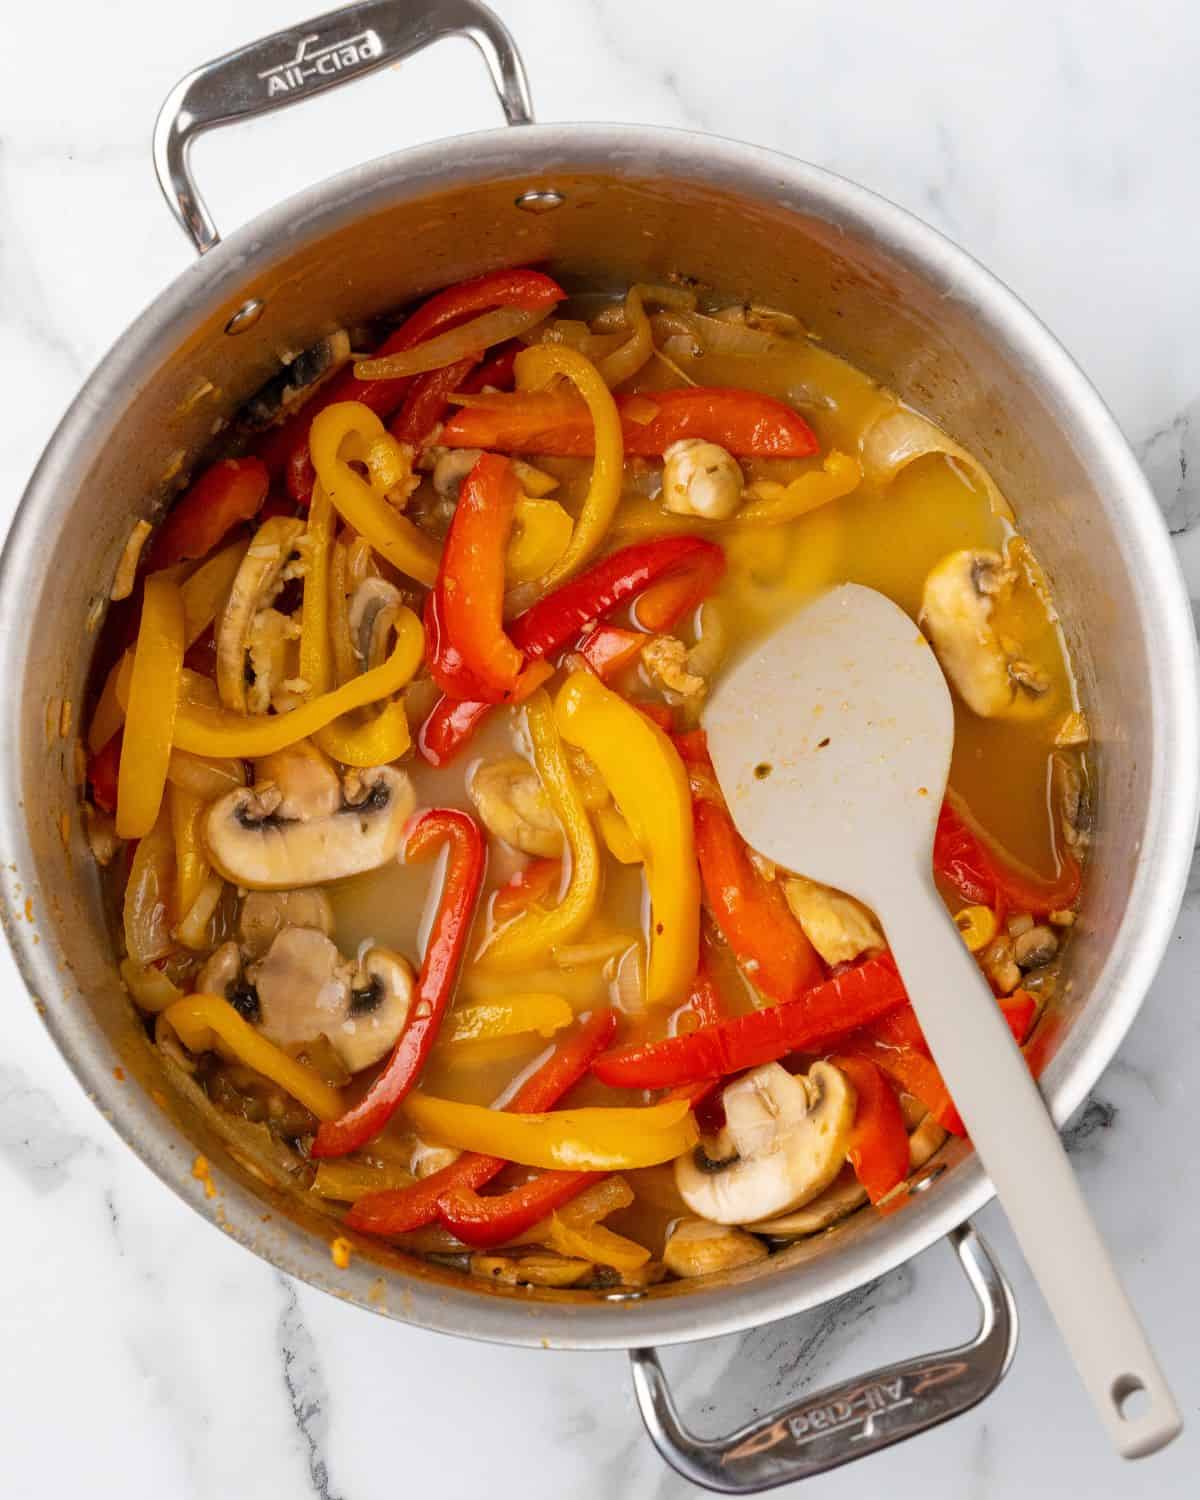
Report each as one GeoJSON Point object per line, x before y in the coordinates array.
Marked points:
{"type": "Point", "coordinates": [873, 285]}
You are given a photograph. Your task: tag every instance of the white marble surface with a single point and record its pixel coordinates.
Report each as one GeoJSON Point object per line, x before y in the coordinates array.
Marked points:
{"type": "Point", "coordinates": [144, 1355]}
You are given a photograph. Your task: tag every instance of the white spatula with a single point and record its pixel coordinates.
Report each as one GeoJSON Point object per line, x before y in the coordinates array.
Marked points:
{"type": "Point", "coordinates": [832, 743]}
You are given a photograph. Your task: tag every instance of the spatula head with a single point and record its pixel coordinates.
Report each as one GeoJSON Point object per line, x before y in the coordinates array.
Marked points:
{"type": "Point", "coordinates": [832, 742]}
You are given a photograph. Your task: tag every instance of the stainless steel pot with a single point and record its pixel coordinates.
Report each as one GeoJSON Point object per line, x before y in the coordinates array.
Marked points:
{"type": "Point", "coordinates": [621, 204]}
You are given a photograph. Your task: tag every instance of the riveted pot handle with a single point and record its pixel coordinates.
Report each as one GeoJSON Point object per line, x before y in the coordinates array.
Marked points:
{"type": "Point", "coordinates": [845, 1421]}
{"type": "Point", "coordinates": [307, 59]}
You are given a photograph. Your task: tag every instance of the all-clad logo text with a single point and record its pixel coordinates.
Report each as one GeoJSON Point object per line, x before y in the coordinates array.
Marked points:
{"type": "Point", "coordinates": [314, 60]}
{"type": "Point", "coordinates": [856, 1408]}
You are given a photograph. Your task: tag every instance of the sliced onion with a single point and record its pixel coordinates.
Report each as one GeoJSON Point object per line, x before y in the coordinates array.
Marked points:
{"type": "Point", "coordinates": [194, 931]}
{"type": "Point", "coordinates": [148, 895]}
{"type": "Point", "coordinates": [480, 333]}
{"type": "Point", "coordinates": [150, 988]}
{"type": "Point", "coordinates": [205, 776]}
{"type": "Point", "coordinates": [575, 335]}
{"type": "Point", "coordinates": [714, 335]}
{"type": "Point", "coordinates": [899, 436]}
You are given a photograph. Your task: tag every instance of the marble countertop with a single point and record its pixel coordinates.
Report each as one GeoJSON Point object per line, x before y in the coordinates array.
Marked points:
{"type": "Point", "coordinates": [145, 1355]}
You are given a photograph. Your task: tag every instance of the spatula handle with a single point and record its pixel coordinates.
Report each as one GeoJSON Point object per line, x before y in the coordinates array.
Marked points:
{"type": "Point", "coordinates": [1020, 1148]}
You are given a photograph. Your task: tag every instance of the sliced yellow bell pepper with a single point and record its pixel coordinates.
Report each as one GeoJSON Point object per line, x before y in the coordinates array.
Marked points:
{"type": "Point", "coordinates": [191, 864]}
{"type": "Point", "coordinates": [151, 710]}
{"type": "Point", "coordinates": [382, 739]}
{"type": "Point", "coordinates": [386, 736]}
{"type": "Point", "coordinates": [770, 504]}
{"type": "Point", "coordinates": [356, 500]}
{"type": "Point", "coordinates": [110, 712]}
{"type": "Point", "coordinates": [541, 534]}
{"type": "Point", "coordinates": [345, 664]}
{"type": "Point", "coordinates": [207, 589]}
{"type": "Point", "coordinates": [596, 1243]}
{"type": "Point", "coordinates": [197, 1019]}
{"type": "Point", "coordinates": [616, 833]}
{"type": "Point", "coordinates": [217, 731]}
{"type": "Point", "coordinates": [646, 777]}
{"type": "Point", "coordinates": [344, 1181]}
{"type": "Point", "coordinates": [316, 665]}
{"type": "Point", "coordinates": [488, 1019]}
{"type": "Point", "coordinates": [538, 366]}
{"type": "Point", "coordinates": [531, 935]}
{"type": "Point", "coordinates": [584, 1140]}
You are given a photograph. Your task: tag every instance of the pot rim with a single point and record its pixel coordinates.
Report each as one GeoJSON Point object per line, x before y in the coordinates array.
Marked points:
{"type": "Point", "coordinates": [536, 152]}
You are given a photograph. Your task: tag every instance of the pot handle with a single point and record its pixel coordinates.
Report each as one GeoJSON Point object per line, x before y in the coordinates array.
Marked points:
{"type": "Point", "coordinates": [306, 59]}
{"type": "Point", "coordinates": [846, 1421]}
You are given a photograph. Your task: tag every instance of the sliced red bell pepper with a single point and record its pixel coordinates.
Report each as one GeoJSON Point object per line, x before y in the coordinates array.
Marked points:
{"type": "Point", "coordinates": [435, 983]}
{"type": "Point", "coordinates": [814, 1020]}
{"type": "Point", "coordinates": [102, 769]}
{"type": "Point", "coordinates": [750, 910]}
{"type": "Point", "coordinates": [277, 503]}
{"type": "Point", "coordinates": [661, 714]}
{"type": "Point", "coordinates": [536, 882]}
{"type": "Point", "coordinates": [986, 875]}
{"type": "Point", "coordinates": [226, 493]}
{"type": "Point", "coordinates": [484, 1222]}
{"type": "Point", "coordinates": [285, 448]}
{"type": "Point", "coordinates": [470, 657]}
{"type": "Point", "coordinates": [703, 1007]}
{"type": "Point", "coordinates": [425, 404]}
{"type": "Point", "coordinates": [201, 655]}
{"type": "Point", "coordinates": [1020, 1011]}
{"type": "Point", "coordinates": [878, 1148]}
{"type": "Point", "coordinates": [499, 371]}
{"type": "Point", "coordinates": [609, 649]}
{"type": "Point", "coordinates": [399, 1210]}
{"type": "Point", "coordinates": [914, 1072]}
{"type": "Point", "coordinates": [746, 423]}
{"type": "Point", "coordinates": [556, 620]}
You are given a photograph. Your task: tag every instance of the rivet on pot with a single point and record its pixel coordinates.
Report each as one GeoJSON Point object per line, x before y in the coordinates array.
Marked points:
{"type": "Point", "coordinates": [928, 1178]}
{"type": "Point", "coordinates": [540, 200]}
{"type": "Point", "coordinates": [246, 316]}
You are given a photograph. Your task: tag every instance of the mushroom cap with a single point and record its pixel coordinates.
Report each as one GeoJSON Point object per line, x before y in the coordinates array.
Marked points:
{"type": "Point", "coordinates": [380, 999]}
{"type": "Point", "coordinates": [512, 802]}
{"type": "Point", "coordinates": [255, 586]}
{"type": "Point", "coordinates": [264, 914]}
{"type": "Point", "coordinates": [697, 1247]}
{"type": "Point", "coordinates": [303, 987]}
{"type": "Point", "coordinates": [251, 845]}
{"type": "Point", "coordinates": [306, 779]}
{"type": "Point", "coordinates": [784, 1142]}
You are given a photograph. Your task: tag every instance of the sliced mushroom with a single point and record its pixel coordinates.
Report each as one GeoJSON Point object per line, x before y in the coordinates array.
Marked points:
{"type": "Point", "coordinates": [374, 608]}
{"type": "Point", "coordinates": [956, 610]}
{"type": "Point", "coordinates": [510, 798]}
{"type": "Point", "coordinates": [538, 1268]}
{"type": "Point", "coordinates": [252, 846]}
{"type": "Point", "coordinates": [298, 379]}
{"type": "Point", "coordinates": [255, 587]}
{"type": "Point", "coordinates": [1035, 947]}
{"type": "Point", "coordinates": [451, 468]}
{"type": "Point", "coordinates": [222, 975]}
{"type": "Point", "coordinates": [837, 926]}
{"type": "Point", "coordinates": [784, 1141]}
{"type": "Point", "coordinates": [380, 998]}
{"type": "Point", "coordinates": [264, 915]}
{"type": "Point", "coordinates": [701, 479]}
{"type": "Point", "coordinates": [306, 989]}
{"type": "Point", "coordinates": [306, 780]}
{"type": "Point", "coordinates": [924, 1141]}
{"type": "Point", "coordinates": [843, 1195]}
{"type": "Point", "coordinates": [271, 651]}
{"type": "Point", "coordinates": [697, 1247]}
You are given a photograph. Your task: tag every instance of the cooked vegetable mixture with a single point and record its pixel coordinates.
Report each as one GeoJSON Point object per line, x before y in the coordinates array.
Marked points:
{"type": "Point", "coordinates": [428, 892]}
